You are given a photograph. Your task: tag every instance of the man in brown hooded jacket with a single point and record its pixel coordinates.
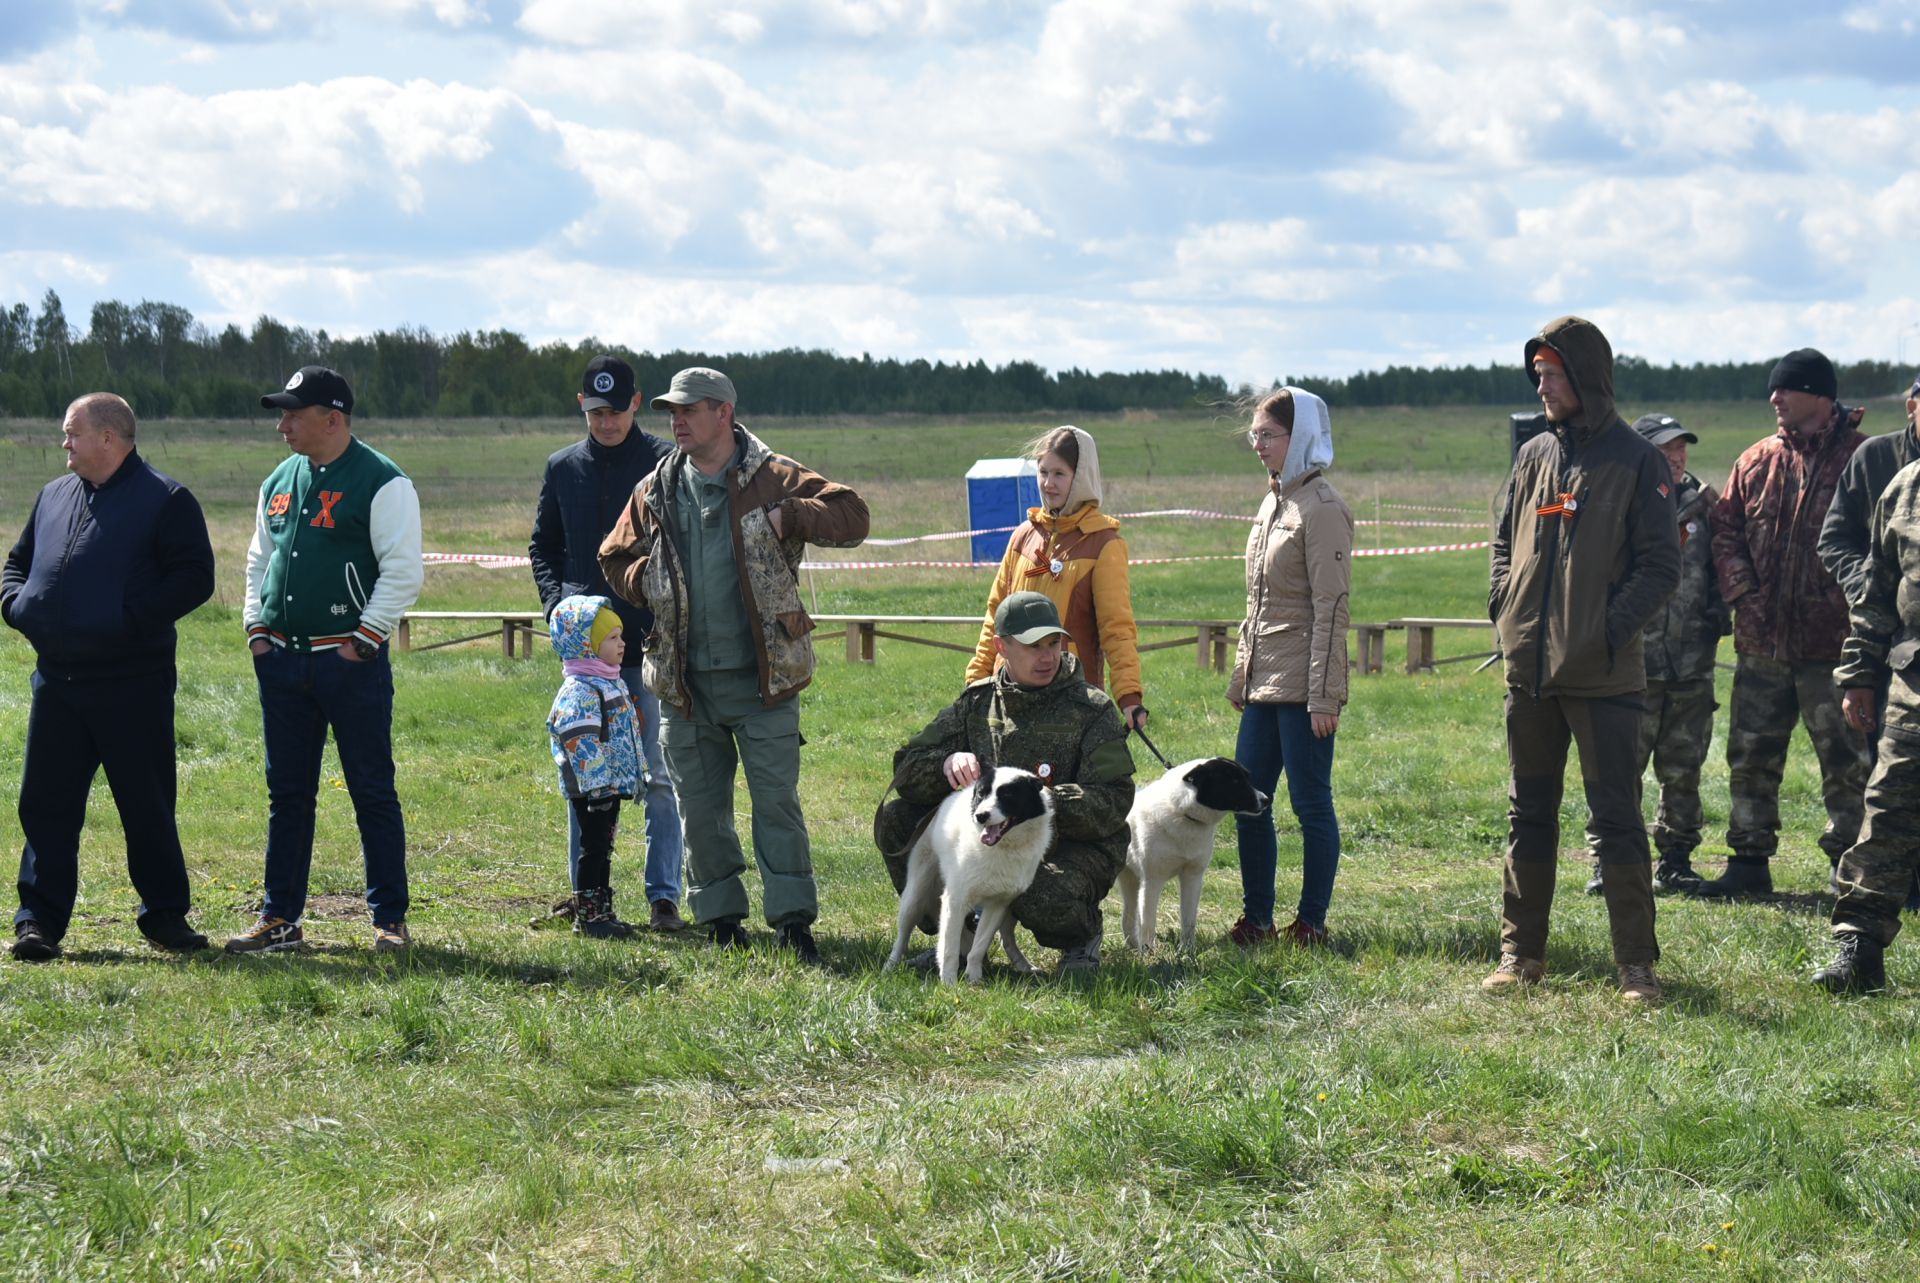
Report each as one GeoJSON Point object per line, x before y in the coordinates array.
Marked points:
{"type": "Point", "coordinates": [1584, 553]}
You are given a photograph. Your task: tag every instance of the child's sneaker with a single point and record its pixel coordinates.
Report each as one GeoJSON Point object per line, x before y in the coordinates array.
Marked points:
{"type": "Point", "coordinates": [268, 934]}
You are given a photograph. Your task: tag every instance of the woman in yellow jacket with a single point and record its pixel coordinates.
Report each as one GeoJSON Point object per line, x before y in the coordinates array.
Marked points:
{"type": "Point", "coordinates": [1073, 552]}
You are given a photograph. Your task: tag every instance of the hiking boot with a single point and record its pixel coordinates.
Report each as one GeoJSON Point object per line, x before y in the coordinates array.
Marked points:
{"type": "Point", "coordinates": [391, 937]}
{"type": "Point", "coordinates": [1513, 972]}
{"type": "Point", "coordinates": [1083, 957]}
{"type": "Point", "coordinates": [1675, 873]}
{"type": "Point", "coordinates": [31, 943]}
{"type": "Point", "coordinates": [1859, 965]}
{"type": "Point", "coordinates": [1246, 934]}
{"type": "Point", "coordinates": [595, 916]}
{"type": "Point", "coordinates": [727, 933]}
{"type": "Point", "coordinates": [797, 937]}
{"type": "Point", "coordinates": [666, 917]}
{"type": "Point", "coordinates": [268, 934]}
{"type": "Point", "coordinates": [1303, 934]}
{"type": "Point", "coordinates": [1596, 884]}
{"type": "Point", "coordinates": [561, 912]}
{"type": "Point", "coordinates": [1745, 879]}
{"type": "Point", "coordinates": [171, 934]}
{"type": "Point", "coordinates": [1638, 983]}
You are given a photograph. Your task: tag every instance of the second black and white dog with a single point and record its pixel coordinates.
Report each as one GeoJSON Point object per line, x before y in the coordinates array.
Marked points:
{"type": "Point", "coordinates": [1170, 834]}
{"type": "Point", "coordinates": [980, 850]}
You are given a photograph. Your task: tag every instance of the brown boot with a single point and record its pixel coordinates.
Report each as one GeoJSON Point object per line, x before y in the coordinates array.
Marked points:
{"type": "Point", "coordinates": [1513, 972]}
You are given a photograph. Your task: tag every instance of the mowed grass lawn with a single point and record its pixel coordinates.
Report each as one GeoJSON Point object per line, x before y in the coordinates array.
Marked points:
{"type": "Point", "coordinates": [521, 1104]}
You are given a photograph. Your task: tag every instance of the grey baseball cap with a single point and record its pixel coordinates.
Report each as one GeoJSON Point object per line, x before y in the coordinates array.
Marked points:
{"type": "Point", "coordinates": [1659, 429]}
{"type": "Point", "coordinates": [697, 383]}
{"type": "Point", "coordinates": [1027, 617]}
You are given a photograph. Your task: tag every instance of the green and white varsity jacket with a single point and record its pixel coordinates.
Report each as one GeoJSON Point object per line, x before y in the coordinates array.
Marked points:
{"type": "Point", "coordinates": [335, 552]}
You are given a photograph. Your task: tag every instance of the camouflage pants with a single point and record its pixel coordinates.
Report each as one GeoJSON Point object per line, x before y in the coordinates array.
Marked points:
{"type": "Point", "coordinates": [1607, 732]}
{"type": "Point", "coordinates": [1877, 871]}
{"type": "Point", "coordinates": [1675, 732]}
{"type": "Point", "coordinates": [1768, 695]}
{"type": "Point", "coordinates": [1061, 908]}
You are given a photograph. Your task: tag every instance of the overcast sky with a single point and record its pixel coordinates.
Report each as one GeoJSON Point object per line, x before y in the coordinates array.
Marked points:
{"type": "Point", "coordinates": [1242, 187]}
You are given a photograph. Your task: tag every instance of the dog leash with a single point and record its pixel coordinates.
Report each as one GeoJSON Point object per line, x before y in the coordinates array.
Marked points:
{"type": "Point", "coordinates": [1150, 746]}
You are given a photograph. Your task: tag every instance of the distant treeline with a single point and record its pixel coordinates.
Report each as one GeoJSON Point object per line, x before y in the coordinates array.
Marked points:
{"type": "Point", "coordinates": [171, 366]}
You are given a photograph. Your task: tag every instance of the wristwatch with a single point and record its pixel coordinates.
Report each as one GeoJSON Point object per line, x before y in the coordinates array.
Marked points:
{"type": "Point", "coordinates": [364, 648]}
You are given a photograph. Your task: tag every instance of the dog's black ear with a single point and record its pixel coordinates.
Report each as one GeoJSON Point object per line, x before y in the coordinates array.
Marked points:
{"type": "Point", "coordinates": [983, 785]}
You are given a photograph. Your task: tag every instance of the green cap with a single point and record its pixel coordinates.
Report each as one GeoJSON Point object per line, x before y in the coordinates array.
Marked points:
{"type": "Point", "coordinates": [697, 383]}
{"type": "Point", "coordinates": [1027, 617]}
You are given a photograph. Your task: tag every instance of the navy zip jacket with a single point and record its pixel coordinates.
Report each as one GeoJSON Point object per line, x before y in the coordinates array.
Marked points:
{"type": "Point", "coordinates": [585, 490]}
{"type": "Point", "coordinates": [101, 573]}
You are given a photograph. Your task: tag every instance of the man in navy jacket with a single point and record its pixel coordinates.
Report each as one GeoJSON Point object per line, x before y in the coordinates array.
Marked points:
{"type": "Point", "coordinates": [586, 487]}
{"type": "Point", "coordinates": [113, 554]}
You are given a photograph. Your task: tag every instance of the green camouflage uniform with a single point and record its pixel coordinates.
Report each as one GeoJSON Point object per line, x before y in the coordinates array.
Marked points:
{"type": "Point", "coordinates": [1680, 643]}
{"type": "Point", "coordinates": [1883, 648]}
{"type": "Point", "coordinates": [1072, 731]}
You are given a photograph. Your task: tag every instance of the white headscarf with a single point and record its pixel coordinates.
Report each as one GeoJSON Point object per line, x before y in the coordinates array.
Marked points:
{"type": "Point", "coordinates": [1086, 485]}
{"type": "Point", "coordinates": [1312, 443]}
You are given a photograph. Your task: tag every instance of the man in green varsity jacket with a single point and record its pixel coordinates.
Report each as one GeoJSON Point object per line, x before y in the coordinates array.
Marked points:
{"type": "Point", "coordinates": [334, 563]}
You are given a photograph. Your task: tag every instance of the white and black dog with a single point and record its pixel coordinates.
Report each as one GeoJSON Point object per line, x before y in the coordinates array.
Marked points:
{"type": "Point", "coordinates": [1170, 834]}
{"type": "Point", "coordinates": [980, 849]}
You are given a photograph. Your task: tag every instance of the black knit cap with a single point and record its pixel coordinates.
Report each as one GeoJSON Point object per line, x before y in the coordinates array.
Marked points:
{"type": "Point", "coordinates": [1805, 370]}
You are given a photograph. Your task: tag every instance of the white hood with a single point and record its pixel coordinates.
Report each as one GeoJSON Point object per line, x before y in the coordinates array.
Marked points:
{"type": "Point", "coordinates": [1312, 444]}
{"type": "Point", "coordinates": [1086, 485]}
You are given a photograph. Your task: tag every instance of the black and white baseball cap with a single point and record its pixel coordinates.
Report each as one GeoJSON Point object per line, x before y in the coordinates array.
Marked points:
{"type": "Point", "coordinates": [311, 385]}
{"type": "Point", "coordinates": [607, 384]}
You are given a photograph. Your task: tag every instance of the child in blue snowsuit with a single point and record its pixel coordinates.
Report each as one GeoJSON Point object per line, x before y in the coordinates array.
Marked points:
{"type": "Point", "coordinates": [595, 730]}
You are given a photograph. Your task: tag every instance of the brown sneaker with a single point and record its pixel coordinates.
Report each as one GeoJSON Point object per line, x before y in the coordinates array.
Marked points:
{"type": "Point", "coordinates": [391, 937]}
{"type": "Point", "coordinates": [666, 916]}
{"type": "Point", "coordinates": [1638, 983]}
{"type": "Point", "coordinates": [1513, 972]}
{"type": "Point", "coordinates": [267, 935]}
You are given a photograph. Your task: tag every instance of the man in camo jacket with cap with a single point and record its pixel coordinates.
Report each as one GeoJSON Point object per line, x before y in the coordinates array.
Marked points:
{"type": "Point", "coordinates": [1038, 713]}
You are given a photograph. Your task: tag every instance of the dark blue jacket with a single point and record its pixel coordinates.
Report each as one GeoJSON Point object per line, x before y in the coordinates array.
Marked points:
{"type": "Point", "coordinates": [101, 573]}
{"type": "Point", "coordinates": [586, 488]}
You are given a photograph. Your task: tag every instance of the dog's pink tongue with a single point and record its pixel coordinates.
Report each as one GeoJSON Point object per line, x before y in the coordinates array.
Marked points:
{"type": "Point", "coordinates": [991, 834]}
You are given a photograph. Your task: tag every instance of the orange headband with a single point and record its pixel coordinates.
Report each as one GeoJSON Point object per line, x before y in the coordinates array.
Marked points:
{"type": "Point", "coordinates": [1545, 353]}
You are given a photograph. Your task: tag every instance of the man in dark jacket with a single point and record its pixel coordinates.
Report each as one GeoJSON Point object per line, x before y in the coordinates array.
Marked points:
{"type": "Point", "coordinates": [114, 553]}
{"type": "Point", "coordinates": [1789, 620]}
{"type": "Point", "coordinates": [1584, 553]}
{"type": "Point", "coordinates": [1679, 646]}
{"type": "Point", "coordinates": [1846, 533]}
{"type": "Point", "coordinates": [586, 487]}
{"type": "Point", "coordinates": [1035, 712]}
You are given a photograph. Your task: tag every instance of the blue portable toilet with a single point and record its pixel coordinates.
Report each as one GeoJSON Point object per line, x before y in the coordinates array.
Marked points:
{"type": "Point", "coordinates": [999, 492]}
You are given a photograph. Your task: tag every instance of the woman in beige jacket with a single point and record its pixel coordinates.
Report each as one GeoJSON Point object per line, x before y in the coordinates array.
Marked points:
{"type": "Point", "coordinates": [1290, 676]}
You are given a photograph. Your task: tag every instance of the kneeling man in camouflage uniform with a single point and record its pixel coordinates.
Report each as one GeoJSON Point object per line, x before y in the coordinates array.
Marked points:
{"type": "Point", "coordinates": [1037, 712]}
{"type": "Point", "coordinates": [1882, 649]}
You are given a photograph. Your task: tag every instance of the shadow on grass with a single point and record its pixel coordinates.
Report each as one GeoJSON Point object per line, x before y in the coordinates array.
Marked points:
{"type": "Point", "coordinates": [599, 969]}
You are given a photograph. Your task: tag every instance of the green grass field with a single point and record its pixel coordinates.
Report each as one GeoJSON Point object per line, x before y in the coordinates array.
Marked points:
{"type": "Point", "coordinates": [519, 1104]}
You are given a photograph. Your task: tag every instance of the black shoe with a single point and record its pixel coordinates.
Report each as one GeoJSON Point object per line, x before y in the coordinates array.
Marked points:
{"type": "Point", "coordinates": [171, 934]}
{"type": "Point", "coordinates": [797, 937]}
{"type": "Point", "coordinates": [1859, 966]}
{"type": "Point", "coordinates": [1675, 874]}
{"type": "Point", "coordinates": [1744, 879]}
{"type": "Point", "coordinates": [594, 916]}
{"type": "Point", "coordinates": [1596, 884]}
{"type": "Point", "coordinates": [32, 944]}
{"type": "Point", "coordinates": [1913, 894]}
{"type": "Point", "coordinates": [727, 933]}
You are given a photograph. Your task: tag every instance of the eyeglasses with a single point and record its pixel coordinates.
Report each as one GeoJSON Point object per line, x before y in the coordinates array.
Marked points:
{"type": "Point", "coordinates": [1257, 439]}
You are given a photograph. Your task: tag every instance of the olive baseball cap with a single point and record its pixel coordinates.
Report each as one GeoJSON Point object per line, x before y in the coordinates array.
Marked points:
{"type": "Point", "coordinates": [1659, 429]}
{"type": "Point", "coordinates": [1027, 617]}
{"type": "Point", "coordinates": [697, 383]}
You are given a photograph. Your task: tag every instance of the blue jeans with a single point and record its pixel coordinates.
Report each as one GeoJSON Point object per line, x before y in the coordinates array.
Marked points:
{"type": "Point", "coordinates": [1274, 737]}
{"type": "Point", "coordinates": [664, 844]}
{"type": "Point", "coordinates": [301, 695]}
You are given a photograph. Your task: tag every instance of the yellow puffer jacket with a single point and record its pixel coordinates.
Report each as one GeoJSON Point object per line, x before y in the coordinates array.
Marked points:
{"type": "Point", "coordinates": [1090, 592]}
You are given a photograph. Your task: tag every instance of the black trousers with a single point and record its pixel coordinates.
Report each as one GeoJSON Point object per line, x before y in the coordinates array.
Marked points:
{"type": "Point", "coordinates": [599, 824]}
{"type": "Point", "coordinates": [75, 728]}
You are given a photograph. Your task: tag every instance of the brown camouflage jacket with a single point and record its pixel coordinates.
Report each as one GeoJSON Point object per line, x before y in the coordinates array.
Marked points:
{"type": "Point", "coordinates": [643, 566]}
{"type": "Point", "coordinates": [1883, 643]}
{"type": "Point", "coordinates": [1766, 534]}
